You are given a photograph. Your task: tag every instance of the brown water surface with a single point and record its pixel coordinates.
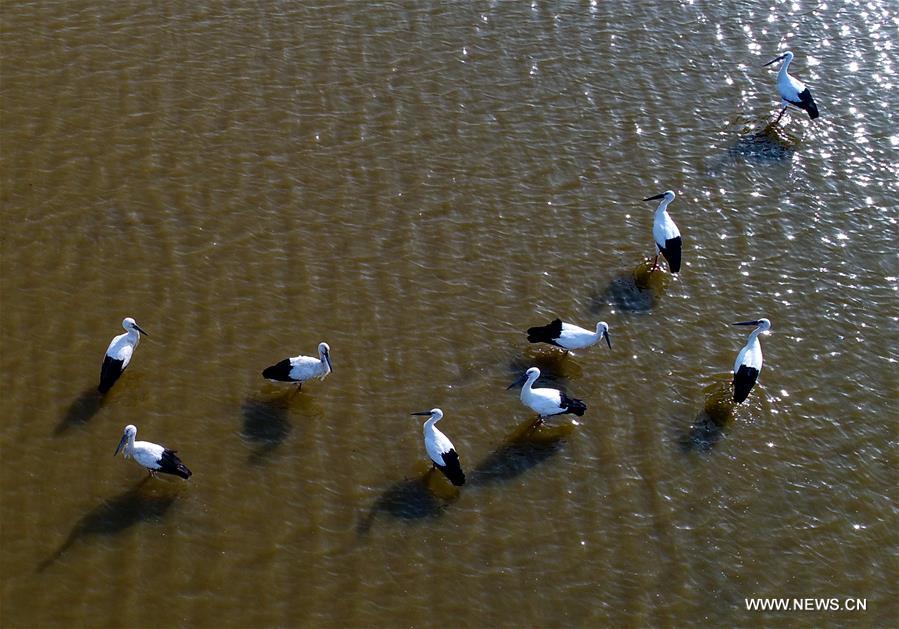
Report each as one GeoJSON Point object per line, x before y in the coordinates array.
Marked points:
{"type": "Point", "coordinates": [417, 184]}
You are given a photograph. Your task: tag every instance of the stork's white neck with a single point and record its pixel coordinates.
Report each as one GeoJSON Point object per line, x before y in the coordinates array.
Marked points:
{"type": "Point", "coordinates": [129, 447]}
{"type": "Point", "coordinates": [784, 66]}
{"type": "Point", "coordinates": [132, 335]}
{"type": "Point", "coordinates": [754, 335]}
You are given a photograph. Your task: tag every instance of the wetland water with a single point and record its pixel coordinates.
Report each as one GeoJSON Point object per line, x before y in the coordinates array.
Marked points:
{"type": "Point", "coordinates": [417, 184]}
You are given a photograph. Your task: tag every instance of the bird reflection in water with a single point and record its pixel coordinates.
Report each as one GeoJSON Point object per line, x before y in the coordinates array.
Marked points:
{"type": "Point", "coordinates": [422, 497]}
{"type": "Point", "coordinates": [709, 424]}
{"type": "Point", "coordinates": [80, 411]}
{"type": "Point", "coordinates": [634, 291]}
{"type": "Point", "coordinates": [768, 143]}
{"type": "Point", "coordinates": [529, 445]}
{"type": "Point", "coordinates": [265, 423]}
{"type": "Point", "coordinates": [145, 502]}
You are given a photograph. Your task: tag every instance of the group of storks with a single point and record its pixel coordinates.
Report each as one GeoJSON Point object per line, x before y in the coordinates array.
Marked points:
{"type": "Point", "coordinates": [545, 402]}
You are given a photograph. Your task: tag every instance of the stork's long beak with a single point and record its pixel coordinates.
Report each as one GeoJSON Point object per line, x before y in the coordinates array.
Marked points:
{"type": "Point", "coordinates": [140, 329]}
{"type": "Point", "coordinates": [519, 381]}
{"type": "Point", "coordinates": [422, 413]}
{"type": "Point", "coordinates": [775, 60]}
{"type": "Point", "coordinates": [746, 323]}
{"type": "Point", "coordinates": [658, 196]}
{"type": "Point", "coordinates": [123, 441]}
{"type": "Point", "coordinates": [606, 337]}
{"type": "Point", "coordinates": [328, 360]}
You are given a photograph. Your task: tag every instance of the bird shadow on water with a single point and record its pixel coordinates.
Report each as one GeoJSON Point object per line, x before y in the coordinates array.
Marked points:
{"type": "Point", "coordinates": [761, 142]}
{"type": "Point", "coordinates": [427, 495]}
{"type": "Point", "coordinates": [529, 445]}
{"type": "Point", "coordinates": [80, 411]}
{"type": "Point", "coordinates": [709, 424]}
{"type": "Point", "coordinates": [637, 290]}
{"type": "Point", "coordinates": [145, 502]}
{"type": "Point", "coordinates": [265, 424]}
{"type": "Point", "coordinates": [422, 497]}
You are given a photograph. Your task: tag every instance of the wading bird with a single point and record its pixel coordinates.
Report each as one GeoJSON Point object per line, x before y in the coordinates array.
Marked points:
{"type": "Point", "coordinates": [440, 448]}
{"type": "Point", "coordinates": [152, 456]}
{"type": "Point", "coordinates": [749, 361]}
{"type": "Point", "coordinates": [118, 354]}
{"type": "Point", "coordinates": [546, 402]}
{"type": "Point", "coordinates": [792, 90]}
{"type": "Point", "coordinates": [568, 336]}
{"type": "Point", "coordinates": [299, 369]}
{"type": "Point", "coordinates": [665, 233]}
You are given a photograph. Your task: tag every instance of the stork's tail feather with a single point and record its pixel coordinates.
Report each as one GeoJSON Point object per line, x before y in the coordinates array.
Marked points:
{"type": "Point", "coordinates": [573, 406]}
{"type": "Point", "coordinates": [545, 333]}
{"type": "Point", "coordinates": [455, 476]}
{"type": "Point", "coordinates": [672, 253]}
{"type": "Point", "coordinates": [279, 371]}
{"type": "Point", "coordinates": [744, 380]}
{"type": "Point", "coordinates": [577, 407]}
{"type": "Point", "coordinates": [807, 103]}
{"type": "Point", "coordinates": [453, 468]}
{"type": "Point", "coordinates": [171, 464]}
{"type": "Point", "coordinates": [109, 373]}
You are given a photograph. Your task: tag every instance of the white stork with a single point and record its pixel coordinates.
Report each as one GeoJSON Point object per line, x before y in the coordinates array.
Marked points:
{"type": "Point", "coordinates": [152, 456]}
{"type": "Point", "coordinates": [546, 402]}
{"type": "Point", "coordinates": [440, 448]}
{"type": "Point", "coordinates": [299, 369]}
{"type": "Point", "coordinates": [665, 233]}
{"type": "Point", "coordinates": [792, 90]}
{"type": "Point", "coordinates": [568, 336]}
{"type": "Point", "coordinates": [119, 353]}
{"type": "Point", "coordinates": [749, 360]}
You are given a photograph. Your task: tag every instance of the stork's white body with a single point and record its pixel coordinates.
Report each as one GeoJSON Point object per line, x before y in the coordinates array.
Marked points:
{"type": "Point", "coordinates": [663, 227]}
{"type": "Point", "coordinates": [576, 337]}
{"type": "Point", "coordinates": [793, 91]}
{"type": "Point", "coordinates": [437, 444]}
{"type": "Point", "coordinates": [748, 365]}
{"type": "Point", "coordinates": [152, 456]}
{"type": "Point", "coordinates": [547, 402]}
{"type": "Point", "coordinates": [301, 369]}
{"type": "Point", "coordinates": [568, 336]}
{"type": "Point", "coordinates": [145, 453]}
{"type": "Point", "coordinates": [122, 346]}
{"type": "Point", "coordinates": [751, 354]}
{"type": "Point", "coordinates": [789, 87]}
{"type": "Point", "coordinates": [543, 401]}
{"type": "Point", "coordinates": [118, 354]}
{"type": "Point", "coordinates": [665, 233]}
{"type": "Point", "coordinates": [440, 449]}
